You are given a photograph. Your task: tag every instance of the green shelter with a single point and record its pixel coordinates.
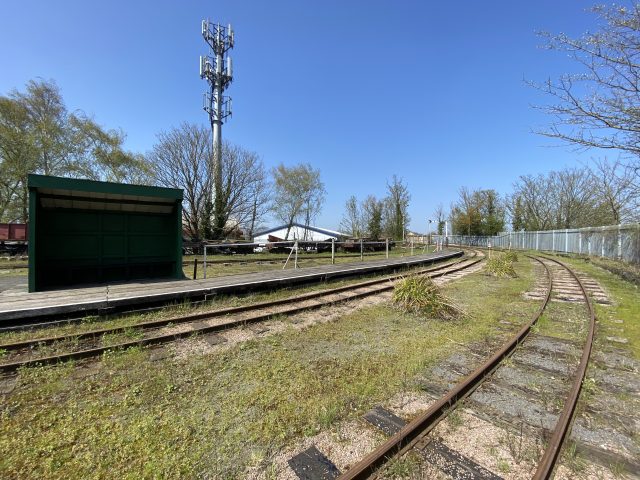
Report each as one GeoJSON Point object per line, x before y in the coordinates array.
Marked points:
{"type": "Point", "coordinates": [87, 232]}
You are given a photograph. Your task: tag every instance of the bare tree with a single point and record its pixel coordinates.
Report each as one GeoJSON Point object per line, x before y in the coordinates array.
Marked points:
{"type": "Point", "coordinates": [440, 218]}
{"type": "Point", "coordinates": [599, 106]}
{"type": "Point", "coordinates": [536, 199]}
{"type": "Point", "coordinates": [259, 193]}
{"type": "Point", "coordinates": [245, 190]}
{"type": "Point", "coordinates": [616, 190]}
{"type": "Point", "coordinates": [352, 219]}
{"type": "Point", "coordinates": [181, 160]}
{"type": "Point", "coordinates": [298, 192]}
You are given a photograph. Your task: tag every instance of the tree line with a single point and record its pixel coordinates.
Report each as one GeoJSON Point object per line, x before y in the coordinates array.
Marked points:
{"type": "Point", "coordinates": [38, 134]}
{"type": "Point", "coordinates": [602, 193]}
{"type": "Point", "coordinates": [595, 106]}
{"type": "Point", "coordinates": [376, 218]}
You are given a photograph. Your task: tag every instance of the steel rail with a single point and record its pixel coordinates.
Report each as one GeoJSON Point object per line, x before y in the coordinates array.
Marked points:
{"type": "Point", "coordinates": [160, 339]}
{"type": "Point", "coordinates": [418, 428]}
{"type": "Point", "coordinates": [32, 323]}
{"type": "Point", "coordinates": [212, 314]}
{"type": "Point", "coordinates": [552, 453]}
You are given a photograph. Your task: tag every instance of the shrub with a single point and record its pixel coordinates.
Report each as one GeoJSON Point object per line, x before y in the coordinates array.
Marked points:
{"type": "Point", "coordinates": [418, 294]}
{"type": "Point", "coordinates": [511, 256]}
{"type": "Point", "coordinates": [501, 267]}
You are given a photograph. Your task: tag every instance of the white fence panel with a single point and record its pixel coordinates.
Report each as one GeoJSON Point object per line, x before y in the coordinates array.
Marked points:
{"type": "Point", "coordinates": [621, 242]}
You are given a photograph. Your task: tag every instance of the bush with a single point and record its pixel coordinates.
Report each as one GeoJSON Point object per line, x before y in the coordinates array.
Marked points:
{"type": "Point", "coordinates": [501, 267]}
{"type": "Point", "coordinates": [418, 294]}
{"type": "Point", "coordinates": [511, 256]}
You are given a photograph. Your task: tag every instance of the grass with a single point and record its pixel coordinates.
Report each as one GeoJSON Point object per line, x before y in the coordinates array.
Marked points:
{"type": "Point", "coordinates": [626, 306]}
{"type": "Point", "coordinates": [216, 415]}
{"type": "Point", "coordinates": [224, 301]}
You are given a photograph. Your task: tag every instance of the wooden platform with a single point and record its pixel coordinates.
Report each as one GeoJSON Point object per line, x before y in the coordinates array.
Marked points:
{"type": "Point", "coordinates": [18, 307]}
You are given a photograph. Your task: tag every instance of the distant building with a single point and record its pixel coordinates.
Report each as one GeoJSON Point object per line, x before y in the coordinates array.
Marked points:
{"type": "Point", "coordinates": [298, 232]}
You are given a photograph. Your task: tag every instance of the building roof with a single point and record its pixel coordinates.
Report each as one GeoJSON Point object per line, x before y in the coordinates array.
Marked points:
{"type": "Point", "coordinates": [324, 231]}
{"type": "Point", "coordinates": [101, 189]}
{"type": "Point", "coordinates": [59, 192]}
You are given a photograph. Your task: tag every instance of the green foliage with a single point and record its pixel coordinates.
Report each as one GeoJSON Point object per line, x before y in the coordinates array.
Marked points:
{"type": "Point", "coordinates": [501, 266]}
{"type": "Point", "coordinates": [511, 256]}
{"type": "Point", "coordinates": [481, 212]}
{"type": "Point", "coordinates": [298, 194]}
{"type": "Point", "coordinates": [39, 135]}
{"type": "Point", "coordinates": [418, 294]}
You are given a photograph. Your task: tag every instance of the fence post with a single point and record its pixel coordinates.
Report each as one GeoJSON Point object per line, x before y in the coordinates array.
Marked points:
{"type": "Point", "coordinates": [619, 242]}
{"type": "Point", "coordinates": [387, 247]}
{"type": "Point", "coordinates": [361, 250]}
{"type": "Point", "coordinates": [333, 251]}
{"type": "Point", "coordinates": [602, 244]}
{"type": "Point", "coordinates": [566, 240]}
{"type": "Point", "coordinates": [553, 240]}
{"type": "Point", "coordinates": [412, 247]}
{"type": "Point", "coordinates": [205, 261]}
{"type": "Point", "coordinates": [195, 268]}
{"type": "Point", "coordinates": [537, 239]}
{"type": "Point", "coordinates": [580, 242]}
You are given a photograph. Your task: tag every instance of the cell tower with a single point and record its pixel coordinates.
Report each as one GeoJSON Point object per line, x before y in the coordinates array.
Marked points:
{"type": "Point", "coordinates": [216, 69]}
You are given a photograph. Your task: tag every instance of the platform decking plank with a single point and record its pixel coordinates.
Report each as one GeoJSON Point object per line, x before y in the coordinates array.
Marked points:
{"type": "Point", "coordinates": [27, 305]}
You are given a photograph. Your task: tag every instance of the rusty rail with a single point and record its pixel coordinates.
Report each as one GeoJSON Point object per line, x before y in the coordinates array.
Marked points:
{"type": "Point", "coordinates": [552, 453]}
{"type": "Point", "coordinates": [384, 284]}
{"type": "Point", "coordinates": [411, 433]}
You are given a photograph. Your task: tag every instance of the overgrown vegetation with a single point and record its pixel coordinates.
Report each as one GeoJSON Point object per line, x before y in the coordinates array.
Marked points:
{"type": "Point", "coordinates": [511, 256]}
{"type": "Point", "coordinates": [501, 266]}
{"type": "Point", "coordinates": [418, 294]}
{"type": "Point", "coordinates": [219, 414]}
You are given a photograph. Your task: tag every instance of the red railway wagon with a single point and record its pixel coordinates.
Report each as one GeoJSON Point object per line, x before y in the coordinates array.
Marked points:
{"type": "Point", "coordinates": [13, 232]}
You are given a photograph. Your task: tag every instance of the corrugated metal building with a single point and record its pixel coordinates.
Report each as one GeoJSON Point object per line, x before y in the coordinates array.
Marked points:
{"type": "Point", "coordinates": [87, 232]}
{"type": "Point", "coordinates": [298, 232]}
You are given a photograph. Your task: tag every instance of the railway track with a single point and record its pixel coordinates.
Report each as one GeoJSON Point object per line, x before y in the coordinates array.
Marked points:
{"type": "Point", "coordinates": [89, 344]}
{"type": "Point", "coordinates": [415, 434]}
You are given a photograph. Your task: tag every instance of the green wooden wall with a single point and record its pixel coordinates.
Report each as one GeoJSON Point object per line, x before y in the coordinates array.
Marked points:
{"type": "Point", "coordinates": [81, 247]}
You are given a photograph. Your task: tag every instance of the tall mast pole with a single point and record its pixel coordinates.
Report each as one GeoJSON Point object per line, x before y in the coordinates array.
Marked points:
{"type": "Point", "coordinates": [216, 69]}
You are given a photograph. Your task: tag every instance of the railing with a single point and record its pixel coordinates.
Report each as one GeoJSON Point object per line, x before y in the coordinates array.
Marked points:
{"type": "Point", "coordinates": [619, 242]}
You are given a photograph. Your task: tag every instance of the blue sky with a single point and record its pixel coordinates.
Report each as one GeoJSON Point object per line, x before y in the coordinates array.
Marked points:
{"type": "Point", "coordinates": [433, 92]}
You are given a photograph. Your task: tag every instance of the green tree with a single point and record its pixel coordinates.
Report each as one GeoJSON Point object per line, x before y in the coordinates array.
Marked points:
{"type": "Point", "coordinates": [39, 135]}
{"type": "Point", "coordinates": [396, 208]}
{"type": "Point", "coordinates": [298, 194]}
{"type": "Point", "coordinates": [372, 209]}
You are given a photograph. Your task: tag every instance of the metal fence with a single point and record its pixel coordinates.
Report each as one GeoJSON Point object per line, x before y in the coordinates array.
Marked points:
{"type": "Point", "coordinates": [620, 242]}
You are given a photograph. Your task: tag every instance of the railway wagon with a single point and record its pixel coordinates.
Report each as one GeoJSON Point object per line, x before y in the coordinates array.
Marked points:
{"type": "Point", "coordinates": [13, 238]}
{"type": "Point", "coordinates": [13, 232]}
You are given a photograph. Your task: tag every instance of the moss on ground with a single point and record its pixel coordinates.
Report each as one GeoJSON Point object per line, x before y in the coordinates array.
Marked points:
{"type": "Point", "coordinates": [625, 296]}
{"type": "Point", "coordinates": [216, 415]}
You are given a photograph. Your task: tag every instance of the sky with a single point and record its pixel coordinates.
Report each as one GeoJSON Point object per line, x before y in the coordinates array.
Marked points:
{"type": "Point", "coordinates": [433, 92]}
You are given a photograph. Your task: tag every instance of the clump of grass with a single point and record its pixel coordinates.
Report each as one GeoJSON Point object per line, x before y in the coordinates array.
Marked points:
{"type": "Point", "coordinates": [501, 267]}
{"type": "Point", "coordinates": [418, 294]}
{"type": "Point", "coordinates": [511, 256]}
